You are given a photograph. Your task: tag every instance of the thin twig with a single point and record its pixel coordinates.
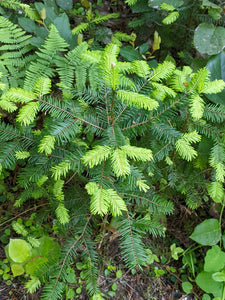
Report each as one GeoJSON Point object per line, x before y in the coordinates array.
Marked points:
{"type": "Point", "coordinates": [22, 213]}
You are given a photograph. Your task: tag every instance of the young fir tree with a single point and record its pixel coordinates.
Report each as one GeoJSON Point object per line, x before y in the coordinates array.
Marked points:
{"type": "Point", "coordinates": [100, 138]}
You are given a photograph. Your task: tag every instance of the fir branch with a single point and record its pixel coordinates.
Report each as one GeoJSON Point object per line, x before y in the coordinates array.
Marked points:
{"type": "Point", "coordinates": [66, 256]}
{"type": "Point", "coordinates": [70, 114]}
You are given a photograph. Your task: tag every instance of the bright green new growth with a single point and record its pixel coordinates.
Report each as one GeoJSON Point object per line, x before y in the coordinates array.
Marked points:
{"type": "Point", "coordinates": [95, 136]}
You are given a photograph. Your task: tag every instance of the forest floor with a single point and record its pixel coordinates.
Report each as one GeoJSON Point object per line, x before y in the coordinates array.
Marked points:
{"type": "Point", "coordinates": [144, 285]}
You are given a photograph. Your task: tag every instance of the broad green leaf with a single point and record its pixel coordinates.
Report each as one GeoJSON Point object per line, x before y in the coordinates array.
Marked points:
{"type": "Point", "coordinates": [65, 4]}
{"type": "Point", "coordinates": [33, 284]}
{"type": "Point", "coordinates": [156, 42]}
{"type": "Point", "coordinates": [175, 251]}
{"type": "Point", "coordinates": [187, 287]}
{"type": "Point", "coordinates": [34, 264]}
{"type": "Point", "coordinates": [208, 3]}
{"type": "Point", "coordinates": [48, 247]}
{"type": "Point", "coordinates": [207, 233]}
{"type": "Point", "coordinates": [17, 269]}
{"type": "Point", "coordinates": [214, 259]}
{"type": "Point", "coordinates": [129, 53]}
{"type": "Point", "coordinates": [205, 281]}
{"type": "Point", "coordinates": [19, 250]}
{"type": "Point", "coordinates": [209, 39]}
{"type": "Point", "coordinates": [70, 294]}
{"type": "Point", "coordinates": [219, 276]}
{"type": "Point", "coordinates": [62, 23]}
{"type": "Point", "coordinates": [206, 297]}
{"type": "Point", "coordinates": [217, 71]}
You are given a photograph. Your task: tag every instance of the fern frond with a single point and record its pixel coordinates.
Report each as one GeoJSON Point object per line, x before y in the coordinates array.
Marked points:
{"type": "Point", "coordinates": [47, 55]}
{"type": "Point", "coordinates": [42, 86]}
{"type": "Point", "coordinates": [171, 18]}
{"type": "Point", "coordinates": [11, 33]}
{"type": "Point", "coordinates": [92, 57]}
{"type": "Point", "coordinates": [80, 28]}
{"type": "Point", "coordinates": [121, 36]}
{"type": "Point", "coordinates": [100, 19]}
{"type": "Point", "coordinates": [30, 12]}
{"type": "Point", "coordinates": [19, 229]}
{"type": "Point", "coordinates": [32, 285]}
